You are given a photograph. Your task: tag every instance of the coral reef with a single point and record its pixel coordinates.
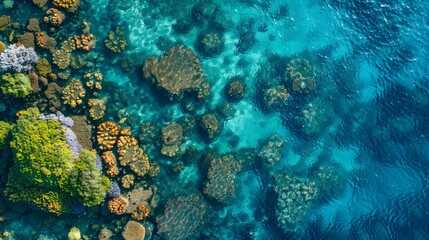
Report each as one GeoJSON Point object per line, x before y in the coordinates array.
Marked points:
{"type": "Point", "coordinates": [40, 3]}
{"type": "Point", "coordinates": [177, 72]}
{"type": "Point", "coordinates": [26, 39]}
{"type": "Point", "coordinates": [16, 85]}
{"type": "Point", "coordinates": [109, 159]}
{"type": "Point", "coordinates": [17, 59]}
{"type": "Point", "coordinates": [235, 89]}
{"type": "Point", "coordinates": [73, 93]}
{"type": "Point", "coordinates": [134, 231]}
{"type": "Point", "coordinates": [43, 40]}
{"type": "Point", "coordinates": [114, 191]}
{"type": "Point", "coordinates": [93, 80]}
{"type": "Point", "coordinates": [4, 134]}
{"type": "Point", "coordinates": [97, 107]}
{"type": "Point", "coordinates": [87, 182]}
{"type": "Point", "coordinates": [43, 67]}
{"type": "Point", "coordinates": [141, 212]}
{"type": "Point", "coordinates": [74, 234]}
{"type": "Point", "coordinates": [54, 17]}
{"type": "Point", "coordinates": [130, 154]}
{"type": "Point", "coordinates": [107, 134]}
{"type": "Point", "coordinates": [117, 205]}
{"type": "Point", "coordinates": [209, 43]}
{"type": "Point", "coordinates": [115, 41]}
{"type": "Point", "coordinates": [220, 184]}
{"type": "Point", "coordinates": [302, 74]}
{"type": "Point", "coordinates": [85, 42]}
{"type": "Point", "coordinates": [82, 130]}
{"type": "Point", "coordinates": [271, 149]}
{"type": "Point", "coordinates": [276, 96]}
{"type": "Point", "coordinates": [127, 181]}
{"type": "Point", "coordinates": [41, 160]}
{"type": "Point", "coordinates": [33, 25]}
{"type": "Point", "coordinates": [172, 134]}
{"type": "Point", "coordinates": [182, 217]}
{"type": "Point", "coordinates": [70, 5]}
{"type": "Point", "coordinates": [294, 199]}
{"type": "Point", "coordinates": [2, 46]}
{"type": "Point", "coordinates": [211, 126]}
{"type": "Point", "coordinates": [5, 22]}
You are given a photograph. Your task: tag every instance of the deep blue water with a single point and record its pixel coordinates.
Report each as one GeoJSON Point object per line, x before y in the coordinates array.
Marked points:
{"type": "Point", "coordinates": [369, 113]}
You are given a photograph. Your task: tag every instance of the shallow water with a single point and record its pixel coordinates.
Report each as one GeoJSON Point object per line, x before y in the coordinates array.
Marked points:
{"type": "Point", "coordinates": [365, 119]}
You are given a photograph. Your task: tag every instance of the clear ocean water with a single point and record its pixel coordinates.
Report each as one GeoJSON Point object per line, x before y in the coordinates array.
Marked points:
{"type": "Point", "coordinates": [344, 156]}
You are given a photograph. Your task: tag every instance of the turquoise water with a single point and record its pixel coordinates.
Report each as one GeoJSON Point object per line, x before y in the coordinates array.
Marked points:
{"type": "Point", "coordinates": [349, 159]}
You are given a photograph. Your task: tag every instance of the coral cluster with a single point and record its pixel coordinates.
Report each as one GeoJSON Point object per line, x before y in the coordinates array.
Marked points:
{"type": "Point", "coordinates": [26, 39]}
{"type": "Point", "coordinates": [40, 3]}
{"type": "Point", "coordinates": [73, 93]}
{"type": "Point", "coordinates": [16, 85]}
{"type": "Point", "coordinates": [93, 80]}
{"type": "Point", "coordinates": [211, 126]}
{"type": "Point", "coordinates": [172, 134]}
{"type": "Point", "coordinates": [33, 25]}
{"type": "Point", "coordinates": [109, 159]}
{"type": "Point", "coordinates": [97, 107]}
{"type": "Point", "coordinates": [116, 41]}
{"type": "Point", "coordinates": [5, 22]}
{"type": "Point", "coordinates": [141, 212]}
{"type": "Point", "coordinates": [43, 40]}
{"type": "Point", "coordinates": [220, 184]}
{"type": "Point", "coordinates": [130, 154]}
{"type": "Point", "coordinates": [54, 17]}
{"type": "Point", "coordinates": [84, 42]}
{"type": "Point", "coordinates": [294, 198]}
{"type": "Point", "coordinates": [44, 172]}
{"type": "Point", "coordinates": [117, 205]}
{"type": "Point", "coordinates": [182, 217]}
{"type": "Point", "coordinates": [271, 149]}
{"type": "Point", "coordinates": [70, 5]}
{"type": "Point", "coordinates": [134, 231]}
{"type": "Point", "coordinates": [302, 73]}
{"type": "Point", "coordinates": [4, 133]}
{"type": "Point", "coordinates": [235, 89]}
{"type": "Point", "coordinates": [177, 72]}
{"type": "Point", "coordinates": [209, 43]}
{"type": "Point", "coordinates": [17, 59]}
{"type": "Point", "coordinates": [43, 67]}
{"type": "Point", "coordinates": [276, 96]}
{"type": "Point", "coordinates": [107, 133]}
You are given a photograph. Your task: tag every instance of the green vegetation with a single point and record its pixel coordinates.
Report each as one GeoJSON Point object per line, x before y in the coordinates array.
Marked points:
{"type": "Point", "coordinates": [17, 85]}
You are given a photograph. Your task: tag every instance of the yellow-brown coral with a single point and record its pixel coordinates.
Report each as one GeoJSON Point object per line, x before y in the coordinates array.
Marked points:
{"type": "Point", "coordinates": [302, 73]}
{"type": "Point", "coordinates": [33, 25]}
{"type": "Point", "coordinates": [40, 3]}
{"type": "Point", "coordinates": [43, 67]}
{"type": "Point", "coordinates": [117, 205]}
{"type": "Point", "coordinates": [178, 71]}
{"type": "Point", "coordinates": [93, 80]}
{"type": "Point", "coordinates": [116, 41]}
{"type": "Point", "coordinates": [44, 41]}
{"type": "Point", "coordinates": [70, 5]}
{"type": "Point", "coordinates": [97, 107]}
{"type": "Point", "coordinates": [141, 212]}
{"type": "Point", "coordinates": [73, 93]}
{"type": "Point", "coordinates": [127, 181]}
{"type": "Point", "coordinates": [109, 159]}
{"type": "Point", "coordinates": [54, 17]}
{"type": "Point", "coordinates": [5, 22]}
{"type": "Point", "coordinates": [132, 155]}
{"type": "Point", "coordinates": [84, 42]}
{"type": "Point", "coordinates": [107, 133]}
